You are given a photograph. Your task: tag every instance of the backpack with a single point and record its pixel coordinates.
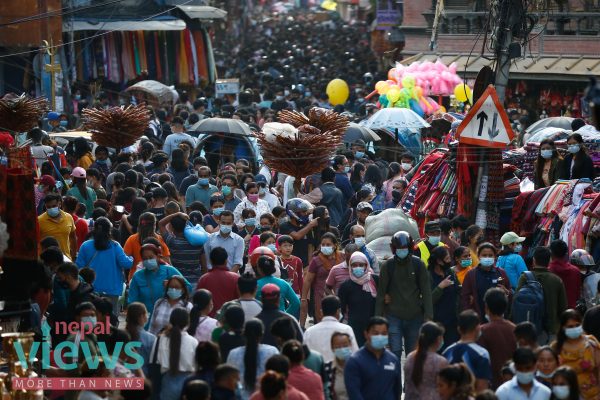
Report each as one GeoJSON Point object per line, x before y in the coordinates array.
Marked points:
{"type": "Point", "coordinates": [528, 303]}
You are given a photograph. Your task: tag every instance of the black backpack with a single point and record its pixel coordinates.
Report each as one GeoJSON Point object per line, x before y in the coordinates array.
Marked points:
{"type": "Point", "coordinates": [528, 303]}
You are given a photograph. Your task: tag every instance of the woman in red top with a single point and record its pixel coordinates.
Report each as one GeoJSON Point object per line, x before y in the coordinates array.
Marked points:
{"type": "Point", "coordinates": [77, 211]}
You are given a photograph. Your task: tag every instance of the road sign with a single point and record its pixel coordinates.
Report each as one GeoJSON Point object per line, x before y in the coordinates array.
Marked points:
{"type": "Point", "coordinates": [227, 86]}
{"type": "Point", "coordinates": [486, 124]}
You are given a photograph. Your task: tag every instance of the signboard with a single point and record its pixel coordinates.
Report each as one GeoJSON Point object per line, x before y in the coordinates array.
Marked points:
{"type": "Point", "coordinates": [389, 14]}
{"type": "Point", "coordinates": [487, 123]}
{"type": "Point", "coordinates": [227, 86]}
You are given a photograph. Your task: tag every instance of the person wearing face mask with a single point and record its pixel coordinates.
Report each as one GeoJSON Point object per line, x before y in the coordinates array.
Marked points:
{"type": "Point", "coordinates": [407, 161]}
{"type": "Point", "coordinates": [178, 136]}
{"type": "Point", "coordinates": [67, 277]}
{"type": "Point", "coordinates": [579, 351]}
{"type": "Point", "coordinates": [445, 292]}
{"type": "Point", "coordinates": [210, 221]}
{"type": "Point", "coordinates": [577, 164]}
{"type": "Point", "coordinates": [433, 237]}
{"type": "Point", "coordinates": [423, 365]}
{"type": "Point", "coordinates": [289, 301]}
{"type": "Point", "coordinates": [546, 168]}
{"type": "Point", "coordinates": [147, 284]}
{"type": "Point", "coordinates": [228, 189]}
{"type": "Point", "coordinates": [252, 202]}
{"type": "Point", "coordinates": [84, 313]}
{"type": "Point", "coordinates": [202, 190]}
{"type": "Point", "coordinates": [509, 259]}
{"type": "Point", "coordinates": [340, 273]}
{"type": "Point", "coordinates": [398, 189]}
{"type": "Point", "coordinates": [357, 235]}
{"type": "Point", "coordinates": [565, 385]}
{"type": "Point", "coordinates": [341, 348]}
{"type": "Point", "coordinates": [394, 173]}
{"type": "Point", "coordinates": [228, 240]}
{"type": "Point", "coordinates": [359, 148]}
{"type": "Point", "coordinates": [555, 298]}
{"type": "Point", "coordinates": [404, 294]}
{"type": "Point", "coordinates": [174, 295]}
{"type": "Point", "coordinates": [547, 363]}
{"type": "Point", "coordinates": [524, 384]}
{"type": "Point", "coordinates": [358, 294]}
{"type": "Point", "coordinates": [46, 185]}
{"type": "Point", "coordinates": [263, 192]}
{"type": "Point", "coordinates": [58, 224]}
{"type": "Point", "coordinates": [373, 372]}
{"type": "Point", "coordinates": [478, 280]}
{"type": "Point", "coordinates": [327, 256]}
{"type": "Point", "coordinates": [102, 162]}
{"type": "Point", "coordinates": [54, 122]}
{"type": "Point", "coordinates": [462, 263]}
{"type": "Point", "coordinates": [137, 317]}
{"type": "Point", "coordinates": [341, 166]}
{"type": "Point", "coordinates": [472, 237]}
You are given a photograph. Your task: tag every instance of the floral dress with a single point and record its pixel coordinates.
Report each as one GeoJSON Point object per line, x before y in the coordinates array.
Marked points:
{"type": "Point", "coordinates": [583, 361]}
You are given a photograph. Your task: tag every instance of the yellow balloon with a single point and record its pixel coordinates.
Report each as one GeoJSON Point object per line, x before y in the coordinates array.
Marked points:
{"type": "Point", "coordinates": [393, 94]}
{"type": "Point", "coordinates": [462, 92]}
{"type": "Point", "coordinates": [338, 92]}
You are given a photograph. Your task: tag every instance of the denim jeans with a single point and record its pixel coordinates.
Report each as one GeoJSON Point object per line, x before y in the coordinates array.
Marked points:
{"type": "Point", "coordinates": [403, 333]}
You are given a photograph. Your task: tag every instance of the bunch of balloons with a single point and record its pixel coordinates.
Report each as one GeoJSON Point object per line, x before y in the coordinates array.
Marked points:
{"type": "Point", "coordinates": [410, 86]}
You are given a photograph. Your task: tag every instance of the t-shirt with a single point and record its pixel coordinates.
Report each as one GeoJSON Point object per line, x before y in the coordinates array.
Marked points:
{"type": "Point", "coordinates": [291, 270]}
{"type": "Point", "coordinates": [499, 339]}
{"type": "Point", "coordinates": [133, 248]}
{"type": "Point", "coordinates": [476, 357]}
{"type": "Point", "coordinates": [159, 212]}
{"type": "Point", "coordinates": [185, 257]}
{"type": "Point", "coordinates": [60, 229]}
{"type": "Point", "coordinates": [300, 246]}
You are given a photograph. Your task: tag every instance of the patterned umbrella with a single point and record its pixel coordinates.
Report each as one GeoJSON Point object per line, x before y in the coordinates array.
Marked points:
{"type": "Point", "coordinates": [396, 118]}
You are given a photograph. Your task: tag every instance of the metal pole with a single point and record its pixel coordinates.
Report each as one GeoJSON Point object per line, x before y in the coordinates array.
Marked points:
{"type": "Point", "coordinates": [504, 35]}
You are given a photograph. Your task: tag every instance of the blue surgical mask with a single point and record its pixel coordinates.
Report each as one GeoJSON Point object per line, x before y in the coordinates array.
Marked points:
{"type": "Point", "coordinates": [151, 264]}
{"type": "Point", "coordinates": [327, 250]}
{"type": "Point", "coordinates": [346, 170]}
{"type": "Point", "coordinates": [574, 148]}
{"type": "Point", "coordinates": [262, 191]}
{"type": "Point", "coordinates": [102, 162]}
{"type": "Point", "coordinates": [359, 241]}
{"type": "Point", "coordinates": [562, 392]}
{"type": "Point", "coordinates": [272, 247]}
{"type": "Point", "coordinates": [402, 253]}
{"type": "Point", "coordinates": [378, 342]}
{"type": "Point", "coordinates": [203, 181]}
{"type": "Point", "coordinates": [64, 123]}
{"type": "Point", "coordinates": [518, 248]}
{"type": "Point", "coordinates": [89, 320]}
{"type": "Point", "coordinates": [225, 229]}
{"type": "Point", "coordinates": [547, 154]}
{"type": "Point", "coordinates": [218, 211]}
{"type": "Point", "coordinates": [343, 353]}
{"type": "Point", "coordinates": [466, 263]}
{"type": "Point", "coordinates": [574, 333]}
{"type": "Point", "coordinates": [487, 261]}
{"type": "Point", "coordinates": [53, 212]}
{"type": "Point", "coordinates": [77, 97]}
{"type": "Point", "coordinates": [250, 221]}
{"type": "Point", "coordinates": [525, 378]}
{"type": "Point", "coordinates": [359, 154]}
{"type": "Point", "coordinates": [358, 272]}
{"type": "Point", "coordinates": [69, 182]}
{"type": "Point", "coordinates": [441, 346]}
{"type": "Point", "coordinates": [226, 190]}
{"type": "Point", "coordinates": [434, 240]}
{"type": "Point", "coordinates": [307, 94]}
{"type": "Point", "coordinates": [174, 293]}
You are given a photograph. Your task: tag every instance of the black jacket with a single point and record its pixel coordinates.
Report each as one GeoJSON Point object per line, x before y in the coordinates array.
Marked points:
{"type": "Point", "coordinates": [268, 315]}
{"type": "Point", "coordinates": [584, 168]}
{"type": "Point", "coordinates": [84, 292]}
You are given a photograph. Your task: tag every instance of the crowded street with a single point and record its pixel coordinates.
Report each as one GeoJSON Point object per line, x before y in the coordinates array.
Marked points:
{"type": "Point", "coordinates": [299, 200]}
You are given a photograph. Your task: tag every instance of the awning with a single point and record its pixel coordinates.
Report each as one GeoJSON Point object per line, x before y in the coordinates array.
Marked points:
{"type": "Point", "coordinates": [135, 25]}
{"type": "Point", "coordinates": [558, 68]}
{"type": "Point", "coordinates": [203, 12]}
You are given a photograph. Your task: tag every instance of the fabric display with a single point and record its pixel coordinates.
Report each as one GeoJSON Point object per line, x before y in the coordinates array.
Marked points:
{"type": "Point", "coordinates": [183, 57]}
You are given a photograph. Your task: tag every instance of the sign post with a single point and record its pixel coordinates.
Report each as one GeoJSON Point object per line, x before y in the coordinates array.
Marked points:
{"type": "Point", "coordinates": [227, 86]}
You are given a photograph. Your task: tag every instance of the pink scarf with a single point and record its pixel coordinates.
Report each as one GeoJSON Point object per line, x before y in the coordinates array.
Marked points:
{"type": "Point", "coordinates": [368, 285]}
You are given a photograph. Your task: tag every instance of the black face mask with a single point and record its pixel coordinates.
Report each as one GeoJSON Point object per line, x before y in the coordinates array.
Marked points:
{"type": "Point", "coordinates": [397, 195]}
{"type": "Point", "coordinates": [63, 284]}
{"type": "Point", "coordinates": [446, 266]}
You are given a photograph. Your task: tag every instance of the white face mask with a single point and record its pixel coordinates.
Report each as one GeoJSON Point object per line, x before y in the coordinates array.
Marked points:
{"type": "Point", "coordinates": [406, 167]}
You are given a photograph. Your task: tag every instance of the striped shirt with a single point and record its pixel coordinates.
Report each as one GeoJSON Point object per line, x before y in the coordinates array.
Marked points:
{"type": "Point", "coordinates": [185, 257]}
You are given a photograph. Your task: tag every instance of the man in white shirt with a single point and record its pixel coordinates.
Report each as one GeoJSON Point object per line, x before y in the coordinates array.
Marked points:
{"type": "Point", "coordinates": [263, 192]}
{"type": "Point", "coordinates": [40, 152]}
{"type": "Point", "coordinates": [318, 337]}
{"type": "Point", "coordinates": [230, 241]}
{"type": "Point", "coordinates": [523, 386]}
{"type": "Point", "coordinates": [178, 136]}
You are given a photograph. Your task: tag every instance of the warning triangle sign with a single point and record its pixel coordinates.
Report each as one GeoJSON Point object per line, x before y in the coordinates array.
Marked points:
{"type": "Point", "coordinates": [487, 123]}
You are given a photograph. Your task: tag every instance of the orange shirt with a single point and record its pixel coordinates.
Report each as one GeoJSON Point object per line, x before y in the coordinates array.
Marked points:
{"type": "Point", "coordinates": [133, 248]}
{"type": "Point", "coordinates": [461, 273]}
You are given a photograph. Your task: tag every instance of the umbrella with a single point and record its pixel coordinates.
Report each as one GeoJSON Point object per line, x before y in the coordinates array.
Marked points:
{"type": "Point", "coordinates": [222, 125]}
{"type": "Point", "coordinates": [356, 131]}
{"type": "Point", "coordinates": [552, 122]}
{"type": "Point", "coordinates": [396, 118]}
{"type": "Point", "coordinates": [549, 133]}
{"type": "Point", "coordinates": [161, 93]}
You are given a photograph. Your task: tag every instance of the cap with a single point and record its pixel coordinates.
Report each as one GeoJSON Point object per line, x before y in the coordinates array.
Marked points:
{"type": "Point", "coordinates": [78, 172]}
{"type": "Point", "coordinates": [260, 179]}
{"type": "Point", "coordinates": [53, 116]}
{"type": "Point", "coordinates": [363, 205]}
{"type": "Point", "coordinates": [510, 238]}
{"type": "Point", "coordinates": [432, 226]}
{"type": "Point", "coordinates": [270, 291]}
{"type": "Point", "coordinates": [47, 180]}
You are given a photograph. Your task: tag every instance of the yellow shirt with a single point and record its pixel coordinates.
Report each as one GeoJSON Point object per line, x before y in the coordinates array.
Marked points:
{"type": "Point", "coordinates": [60, 229]}
{"type": "Point", "coordinates": [474, 258]}
{"type": "Point", "coordinates": [85, 161]}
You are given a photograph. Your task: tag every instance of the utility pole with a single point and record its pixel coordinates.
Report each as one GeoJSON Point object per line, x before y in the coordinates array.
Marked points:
{"type": "Point", "coordinates": [507, 12]}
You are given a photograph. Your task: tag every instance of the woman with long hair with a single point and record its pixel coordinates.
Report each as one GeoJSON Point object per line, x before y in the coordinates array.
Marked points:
{"type": "Point", "coordinates": [231, 335]}
{"type": "Point", "coordinates": [577, 163]}
{"type": "Point", "coordinates": [172, 193]}
{"type": "Point", "coordinates": [455, 382]}
{"type": "Point", "coordinates": [471, 238]}
{"type": "Point", "coordinates": [324, 259]}
{"type": "Point", "coordinates": [207, 360]}
{"type": "Point", "coordinates": [423, 364]}
{"type": "Point", "coordinates": [133, 245]}
{"type": "Point", "coordinates": [394, 173]}
{"type": "Point", "coordinates": [579, 351]}
{"type": "Point", "coordinates": [108, 260]}
{"type": "Point", "coordinates": [273, 386]}
{"type": "Point", "coordinates": [250, 359]}
{"type": "Point", "coordinates": [180, 167]}
{"type": "Point", "coordinates": [546, 167]}
{"type": "Point", "coordinates": [201, 325]}
{"type": "Point", "coordinates": [129, 223]}
{"type": "Point", "coordinates": [445, 292]}
{"type": "Point", "coordinates": [357, 176]}
{"type": "Point", "coordinates": [176, 349]}
{"type": "Point", "coordinates": [81, 191]}
{"type": "Point", "coordinates": [82, 153]}
{"type": "Point", "coordinates": [137, 317]}
{"type": "Point", "coordinates": [565, 385]}
{"type": "Point", "coordinates": [176, 296]}
{"type": "Point", "coordinates": [374, 179]}
{"type": "Point", "coordinates": [462, 263]}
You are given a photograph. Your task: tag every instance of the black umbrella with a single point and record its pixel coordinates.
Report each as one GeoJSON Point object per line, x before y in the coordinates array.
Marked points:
{"type": "Point", "coordinates": [356, 131]}
{"type": "Point", "coordinates": [222, 125]}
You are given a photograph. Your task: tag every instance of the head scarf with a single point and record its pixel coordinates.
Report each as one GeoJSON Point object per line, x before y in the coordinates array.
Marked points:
{"type": "Point", "coordinates": [366, 281]}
